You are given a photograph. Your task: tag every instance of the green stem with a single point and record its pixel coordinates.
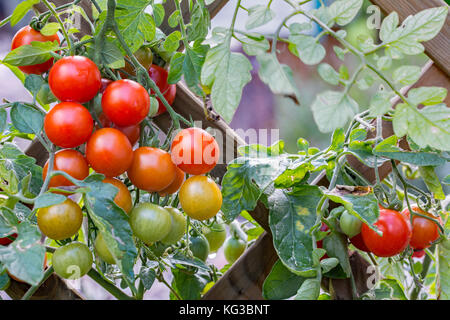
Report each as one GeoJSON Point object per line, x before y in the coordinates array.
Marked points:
{"type": "Point", "coordinates": [162, 280]}
{"type": "Point", "coordinates": [55, 14]}
{"type": "Point", "coordinates": [108, 286]}
{"type": "Point", "coordinates": [33, 289]}
{"type": "Point", "coordinates": [425, 267]}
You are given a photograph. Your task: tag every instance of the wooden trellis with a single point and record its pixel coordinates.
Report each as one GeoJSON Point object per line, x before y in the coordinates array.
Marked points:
{"type": "Point", "coordinates": [245, 278]}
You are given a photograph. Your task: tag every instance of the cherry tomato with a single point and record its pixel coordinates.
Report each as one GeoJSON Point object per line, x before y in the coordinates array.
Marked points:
{"type": "Point", "coordinates": [358, 242]}
{"type": "Point", "coordinates": [68, 124]}
{"type": "Point", "coordinates": [72, 261]}
{"type": "Point", "coordinates": [125, 102]}
{"type": "Point", "coordinates": [195, 151]}
{"type": "Point", "coordinates": [25, 36]}
{"type": "Point", "coordinates": [350, 225]}
{"type": "Point", "coordinates": [145, 57]}
{"type": "Point", "coordinates": [233, 249]}
{"type": "Point", "coordinates": [200, 197]}
{"type": "Point", "coordinates": [418, 254]}
{"type": "Point", "coordinates": [169, 91]}
{"type": "Point", "coordinates": [75, 78]}
{"type": "Point", "coordinates": [101, 248]}
{"type": "Point", "coordinates": [178, 227]}
{"type": "Point", "coordinates": [199, 246]}
{"type": "Point", "coordinates": [152, 169]}
{"type": "Point", "coordinates": [123, 197]}
{"type": "Point", "coordinates": [396, 230]}
{"type": "Point", "coordinates": [215, 234]}
{"type": "Point", "coordinates": [60, 221]}
{"type": "Point", "coordinates": [424, 231]}
{"type": "Point", "coordinates": [71, 162]}
{"type": "Point", "coordinates": [169, 95]}
{"type": "Point", "coordinates": [175, 185]}
{"type": "Point", "coordinates": [324, 227]}
{"type": "Point", "coordinates": [132, 132]}
{"type": "Point", "coordinates": [150, 222]}
{"type": "Point", "coordinates": [109, 152]}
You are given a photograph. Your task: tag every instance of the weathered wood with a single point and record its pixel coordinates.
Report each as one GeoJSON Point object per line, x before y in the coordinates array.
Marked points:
{"type": "Point", "coordinates": [437, 48]}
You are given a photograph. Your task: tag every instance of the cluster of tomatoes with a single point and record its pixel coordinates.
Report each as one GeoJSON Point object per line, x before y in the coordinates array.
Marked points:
{"type": "Point", "coordinates": [76, 80]}
{"type": "Point", "coordinates": [397, 232]}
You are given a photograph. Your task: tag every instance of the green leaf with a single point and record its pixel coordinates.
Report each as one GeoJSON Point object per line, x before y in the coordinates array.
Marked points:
{"type": "Point", "coordinates": [291, 216]}
{"type": "Point", "coordinates": [340, 53]}
{"type": "Point", "coordinates": [446, 180]}
{"type": "Point", "coordinates": [431, 179]}
{"type": "Point", "coordinates": [390, 289]}
{"type": "Point", "coordinates": [328, 264]}
{"type": "Point", "coordinates": [31, 54]}
{"type": "Point", "coordinates": [443, 273]}
{"type": "Point", "coordinates": [333, 109]}
{"type": "Point", "coordinates": [384, 63]}
{"type": "Point", "coordinates": [8, 222]}
{"type": "Point", "coordinates": [192, 64]}
{"type": "Point", "coordinates": [147, 276]}
{"type": "Point", "coordinates": [258, 15]}
{"type": "Point", "coordinates": [3, 120]}
{"type": "Point", "coordinates": [200, 23]}
{"type": "Point", "coordinates": [178, 259]}
{"type": "Point", "coordinates": [281, 283]}
{"type": "Point", "coordinates": [173, 19]}
{"type": "Point", "coordinates": [336, 246]}
{"type": "Point", "coordinates": [429, 126]}
{"type": "Point", "coordinates": [188, 286]}
{"type": "Point", "coordinates": [328, 74]}
{"type": "Point", "coordinates": [48, 199]}
{"type": "Point", "coordinates": [172, 41]}
{"type": "Point", "coordinates": [112, 56]}
{"type": "Point", "coordinates": [26, 119]}
{"type": "Point", "coordinates": [50, 28]}
{"type": "Point", "coordinates": [406, 75]}
{"type": "Point", "coordinates": [24, 258]}
{"type": "Point", "coordinates": [388, 26]}
{"type": "Point", "coordinates": [380, 103]}
{"type": "Point", "coordinates": [365, 82]}
{"type": "Point", "coordinates": [344, 11]}
{"type": "Point", "coordinates": [309, 290]}
{"type": "Point", "coordinates": [307, 48]}
{"type": "Point", "coordinates": [158, 13]}
{"type": "Point", "coordinates": [277, 76]}
{"type": "Point", "coordinates": [427, 95]}
{"type": "Point", "coordinates": [21, 10]}
{"type": "Point", "coordinates": [134, 23]}
{"type": "Point", "coordinates": [254, 47]}
{"type": "Point", "coordinates": [176, 68]}
{"type": "Point", "coordinates": [34, 83]}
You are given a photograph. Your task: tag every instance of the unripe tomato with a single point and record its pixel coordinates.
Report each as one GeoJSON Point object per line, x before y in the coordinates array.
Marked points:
{"type": "Point", "coordinates": [358, 242]}
{"type": "Point", "coordinates": [125, 102]}
{"type": "Point", "coordinates": [424, 231]}
{"type": "Point", "coordinates": [152, 169]}
{"type": "Point", "coordinates": [71, 162]}
{"type": "Point", "coordinates": [109, 152]}
{"type": "Point", "coordinates": [195, 151]}
{"type": "Point", "coordinates": [233, 249]}
{"type": "Point", "coordinates": [72, 261]}
{"type": "Point", "coordinates": [150, 222]}
{"type": "Point", "coordinates": [169, 91]}
{"type": "Point", "coordinates": [200, 197]}
{"type": "Point", "coordinates": [145, 57]}
{"type": "Point", "coordinates": [25, 36]}
{"type": "Point", "coordinates": [350, 225]}
{"type": "Point", "coordinates": [68, 124]}
{"type": "Point", "coordinates": [132, 132]}
{"type": "Point", "coordinates": [324, 227]}
{"type": "Point", "coordinates": [75, 78]}
{"type": "Point", "coordinates": [216, 235]}
{"type": "Point", "coordinates": [396, 230]}
{"type": "Point", "coordinates": [175, 185]}
{"type": "Point", "coordinates": [101, 248]}
{"type": "Point", "coordinates": [178, 226]}
{"type": "Point", "coordinates": [199, 246]}
{"type": "Point", "coordinates": [123, 197]}
{"type": "Point", "coordinates": [60, 221]}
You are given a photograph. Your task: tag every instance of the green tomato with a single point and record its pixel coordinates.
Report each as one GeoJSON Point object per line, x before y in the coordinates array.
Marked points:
{"type": "Point", "coordinates": [216, 235]}
{"type": "Point", "coordinates": [178, 226]}
{"type": "Point", "coordinates": [350, 225]}
{"type": "Point", "coordinates": [233, 249]}
{"type": "Point", "coordinates": [150, 222]}
{"type": "Point", "coordinates": [101, 247]}
{"type": "Point", "coordinates": [72, 261]}
{"type": "Point", "coordinates": [199, 247]}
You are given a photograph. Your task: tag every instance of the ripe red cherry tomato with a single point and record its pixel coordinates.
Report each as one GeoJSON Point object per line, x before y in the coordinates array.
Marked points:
{"type": "Point", "coordinates": [424, 231]}
{"type": "Point", "coordinates": [109, 152]}
{"type": "Point", "coordinates": [123, 197]}
{"type": "Point", "coordinates": [71, 162]}
{"type": "Point", "coordinates": [125, 102]}
{"type": "Point", "coordinates": [152, 169]}
{"type": "Point", "coordinates": [319, 243]}
{"type": "Point", "coordinates": [396, 230]}
{"type": "Point", "coordinates": [159, 75]}
{"type": "Point", "coordinates": [68, 124]}
{"type": "Point", "coordinates": [24, 37]}
{"type": "Point", "coordinates": [358, 242]}
{"type": "Point", "coordinates": [195, 151]}
{"type": "Point", "coordinates": [75, 78]}
{"type": "Point", "coordinates": [132, 132]}
{"type": "Point", "coordinates": [175, 185]}
{"type": "Point", "coordinates": [418, 254]}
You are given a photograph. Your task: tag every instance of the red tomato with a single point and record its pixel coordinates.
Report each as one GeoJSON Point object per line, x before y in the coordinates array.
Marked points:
{"type": "Point", "coordinates": [418, 254]}
{"type": "Point", "coordinates": [152, 169]}
{"type": "Point", "coordinates": [75, 78]}
{"type": "Point", "coordinates": [169, 95]}
{"type": "Point", "coordinates": [195, 151]}
{"type": "Point", "coordinates": [396, 230]}
{"type": "Point", "coordinates": [109, 152]}
{"type": "Point", "coordinates": [132, 132]}
{"type": "Point", "coordinates": [125, 102]}
{"type": "Point", "coordinates": [123, 197]}
{"type": "Point", "coordinates": [358, 242]}
{"type": "Point", "coordinates": [175, 185]}
{"type": "Point", "coordinates": [68, 124]}
{"type": "Point", "coordinates": [323, 227]}
{"type": "Point", "coordinates": [25, 36]}
{"type": "Point", "coordinates": [159, 75]}
{"type": "Point", "coordinates": [71, 162]}
{"type": "Point", "coordinates": [424, 231]}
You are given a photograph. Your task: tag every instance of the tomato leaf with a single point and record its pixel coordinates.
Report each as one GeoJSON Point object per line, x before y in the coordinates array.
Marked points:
{"type": "Point", "coordinates": [390, 289]}
{"type": "Point", "coordinates": [31, 54]}
{"type": "Point", "coordinates": [188, 286]}
{"type": "Point", "coordinates": [336, 246]}
{"type": "Point", "coordinates": [427, 95]}
{"type": "Point", "coordinates": [158, 13]}
{"type": "Point", "coordinates": [48, 199]}
{"type": "Point", "coordinates": [309, 290]}
{"type": "Point", "coordinates": [8, 222]}
{"type": "Point", "coordinates": [199, 24]}
{"type": "Point", "coordinates": [281, 283]}
{"type": "Point", "coordinates": [343, 11]}
{"type": "Point", "coordinates": [147, 276]}
{"type": "Point", "coordinates": [443, 273]}
{"type": "Point", "coordinates": [21, 10]}
{"type": "Point", "coordinates": [431, 179]}
{"type": "Point", "coordinates": [406, 75]}
{"type": "Point", "coordinates": [258, 15]}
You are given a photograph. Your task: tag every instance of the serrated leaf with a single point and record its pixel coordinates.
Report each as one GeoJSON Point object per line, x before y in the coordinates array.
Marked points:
{"type": "Point", "coordinates": [176, 68]}
{"type": "Point", "coordinates": [112, 56]}
{"type": "Point", "coordinates": [3, 120]}
{"type": "Point", "coordinates": [147, 276]}
{"type": "Point", "coordinates": [336, 246]}
{"type": "Point", "coordinates": [158, 13]}
{"type": "Point", "coordinates": [388, 26]}
{"type": "Point", "coordinates": [344, 11]}
{"type": "Point", "coordinates": [254, 47]}
{"type": "Point", "coordinates": [427, 95]}
{"type": "Point", "coordinates": [328, 264]}
{"type": "Point", "coordinates": [26, 119]}
{"type": "Point", "coordinates": [188, 286]}
{"type": "Point", "coordinates": [406, 75]}
{"type": "Point", "coordinates": [443, 273]}
{"type": "Point", "coordinates": [384, 63]}
{"type": "Point", "coordinates": [380, 103]}
{"type": "Point", "coordinates": [199, 24]}
{"type": "Point", "coordinates": [308, 49]}
{"type": "Point", "coordinates": [33, 83]}
{"type": "Point", "coordinates": [328, 74]}
{"type": "Point", "coordinates": [258, 15]}
{"type": "Point", "coordinates": [172, 41]}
